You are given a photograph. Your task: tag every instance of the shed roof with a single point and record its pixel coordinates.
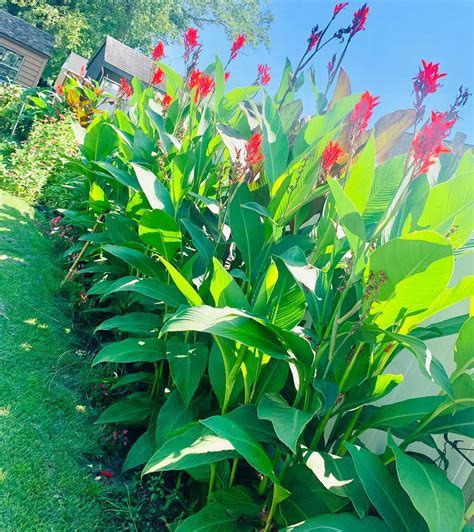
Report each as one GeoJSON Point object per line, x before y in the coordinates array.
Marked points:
{"type": "Point", "coordinates": [126, 60]}
{"type": "Point", "coordinates": [74, 63]}
{"type": "Point", "coordinates": [23, 32]}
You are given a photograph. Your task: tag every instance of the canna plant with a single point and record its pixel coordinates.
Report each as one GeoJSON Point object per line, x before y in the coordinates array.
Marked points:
{"type": "Point", "coordinates": [259, 272]}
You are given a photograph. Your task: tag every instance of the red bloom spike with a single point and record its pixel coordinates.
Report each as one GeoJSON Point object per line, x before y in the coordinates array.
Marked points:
{"type": "Point", "coordinates": [203, 84]}
{"type": "Point", "coordinates": [191, 38]}
{"type": "Point", "coordinates": [428, 142]}
{"type": "Point", "coordinates": [339, 7]}
{"type": "Point", "coordinates": [426, 81]}
{"type": "Point", "coordinates": [125, 88]}
{"type": "Point", "coordinates": [158, 51]}
{"type": "Point", "coordinates": [253, 149]}
{"type": "Point", "coordinates": [206, 85]}
{"type": "Point", "coordinates": [362, 112]}
{"type": "Point", "coordinates": [166, 101]}
{"type": "Point", "coordinates": [237, 45]}
{"type": "Point", "coordinates": [226, 76]}
{"type": "Point", "coordinates": [59, 89]}
{"type": "Point", "coordinates": [359, 20]}
{"type": "Point", "coordinates": [263, 75]}
{"type": "Point", "coordinates": [314, 39]}
{"type": "Point", "coordinates": [158, 76]}
{"type": "Point", "coordinates": [331, 154]}
{"type": "Point", "coordinates": [83, 70]}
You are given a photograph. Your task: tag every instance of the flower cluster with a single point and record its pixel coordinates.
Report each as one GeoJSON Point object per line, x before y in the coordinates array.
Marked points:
{"type": "Point", "coordinates": [424, 83]}
{"type": "Point", "coordinates": [237, 45]}
{"type": "Point", "coordinates": [125, 88]}
{"type": "Point", "coordinates": [158, 51]}
{"type": "Point", "coordinates": [428, 142]}
{"type": "Point", "coordinates": [201, 82]}
{"type": "Point", "coordinates": [158, 76]}
{"type": "Point", "coordinates": [191, 43]}
{"type": "Point", "coordinates": [166, 101]}
{"type": "Point", "coordinates": [59, 89]}
{"type": "Point", "coordinates": [314, 37]}
{"type": "Point", "coordinates": [362, 112]}
{"type": "Point", "coordinates": [253, 149]}
{"type": "Point", "coordinates": [339, 7]}
{"type": "Point", "coordinates": [331, 154]}
{"type": "Point", "coordinates": [359, 20]}
{"type": "Point", "coordinates": [263, 75]}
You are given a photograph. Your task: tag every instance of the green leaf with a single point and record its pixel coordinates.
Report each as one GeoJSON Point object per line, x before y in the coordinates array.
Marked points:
{"type": "Point", "coordinates": [194, 446]}
{"type": "Point", "coordinates": [130, 409]}
{"type": "Point", "coordinates": [440, 502]}
{"type": "Point", "coordinates": [135, 322]}
{"type": "Point", "coordinates": [361, 176]}
{"type": "Point", "coordinates": [369, 391]}
{"type": "Point", "coordinates": [231, 100]}
{"type": "Point", "coordinates": [132, 350]}
{"type": "Point", "coordinates": [246, 227]}
{"type": "Point", "coordinates": [212, 518]}
{"type": "Point", "coordinates": [402, 414]}
{"type": "Point", "coordinates": [352, 223]}
{"type": "Point", "coordinates": [120, 229]}
{"type": "Point", "coordinates": [243, 443]}
{"type": "Point", "coordinates": [238, 501]}
{"type": "Point", "coordinates": [338, 475]}
{"type": "Point", "coordinates": [287, 421]}
{"type": "Point", "coordinates": [152, 288]}
{"type": "Point", "coordinates": [161, 231]}
{"type": "Point", "coordinates": [459, 422]}
{"type": "Point", "coordinates": [155, 192]}
{"type": "Point", "coordinates": [224, 289]}
{"type": "Point", "coordinates": [416, 268]}
{"type": "Point", "coordinates": [135, 258]}
{"type": "Point", "coordinates": [390, 501]}
{"type": "Point", "coordinates": [173, 415]}
{"type": "Point", "coordinates": [182, 284]}
{"type": "Point", "coordinates": [188, 363]}
{"type": "Point", "coordinates": [246, 417]}
{"type": "Point", "coordinates": [275, 141]}
{"type": "Point", "coordinates": [464, 349]}
{"type": "Point", "coordinates": [132, 378]}
{"type": "Point", "coordinates": [140, 452]}
{"type": "Point", "coordinates": [201, 241]}
{"type": "Point", "coordinates": [339, 523]}
{"type": "Point", "coordinates": [99, 141]}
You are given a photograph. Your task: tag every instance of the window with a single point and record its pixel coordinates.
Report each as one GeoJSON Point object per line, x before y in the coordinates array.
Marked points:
{"type": "Point", "coordinates": [9, 64]}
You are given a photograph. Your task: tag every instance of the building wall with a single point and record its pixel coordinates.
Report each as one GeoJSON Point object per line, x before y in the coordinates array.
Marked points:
{"type": "Point", "coordinates": [32, 65]}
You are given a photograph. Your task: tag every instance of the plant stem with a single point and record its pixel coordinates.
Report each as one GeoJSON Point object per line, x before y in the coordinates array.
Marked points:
{"type": "Point", "coordinates": [273, 506]}
{"type": "Point", "coordinates": [233, 376]}
{"type": "Point", "coordinates": [212, 480]}
{"type": "Point", "coordinates": [235, 463]}
{"type": "Point", "coordinates": [341, 450]}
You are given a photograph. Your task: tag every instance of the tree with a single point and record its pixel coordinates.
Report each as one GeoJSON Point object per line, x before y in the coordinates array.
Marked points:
{"type": "Point", "coordinates": [81, 25]}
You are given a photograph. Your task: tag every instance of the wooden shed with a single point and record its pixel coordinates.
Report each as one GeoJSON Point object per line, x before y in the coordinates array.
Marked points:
{"type": "Point", "coordinates": [24, 50]}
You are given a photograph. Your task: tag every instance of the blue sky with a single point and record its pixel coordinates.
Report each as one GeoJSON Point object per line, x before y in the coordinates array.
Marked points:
{"type": "Point", "coordinates": [382, 59]}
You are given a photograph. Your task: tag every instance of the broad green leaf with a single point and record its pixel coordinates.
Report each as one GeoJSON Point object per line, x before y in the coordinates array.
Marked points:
{"type": "Point", "coordinates": [120, 229]}
{"type": "Point", "coordinates": [97, 198]}
{"type": "Point", "coordinates": [247, 418]}
{"type": "Point", "coordinates": [275, 141]}
{"type": "Point", "coordinates": [352, 223]}
{"type": "Point", "coordinates": [387, 180]}
{"type": "Point", "coordinates": [188, 363]}
{"type": "Point", "coordinates": [152, 288]}
{"type": "Point", "coordinates": [231, 100]}
{"type": "Point", "coordinates": [238, 501]}
{"type": "Point", "coordinates": [155, 192]}
{"type": "Point", "coordinates": [130, 409]}
{"type": "Point", "coordinates": [369, 391]}
{"type": "Point", "coordinates": [284, 83]}
{"type": "Point", "coordinates": [224, 289]}
{"type": "Point", "coordinates": [135, 258]}
{"type": "Point", "coordinates": [182, 284]}
{"type": "Point", "coordinates": [243, 443]}
{"type": "Point", "coordinates": [290, 114]}
{"type": "Point", "coordinates": [246, 227]}
{"type": "Point", "coordinates": [192, 447]}
{"type": "Point", "coordinates": [361, 176]}
{"type": "Point", "coordinates": [338, 475]}
{"type": "Point", "coordinates": [132, 378]}
{"type": "Point", "coordinates": [287, 421]}
{"type": "Point", "coordinates": [99, 141]}
{"type": "Point", "coordinates": [161, 231]}
{"type": "Point", "coordinates": [389, 129]}
{"type": "Point", "coordinates": [173, 415]}
{"type": "Point", "coordinates": [135, 322]}
{"type": "Point", "coordinates": [460, 422]}
{"type": "Point", "coordinates": [201, 241]}
{"type": "Point", "coordinates": [342, 89]}
{"type": "Point", "coordinates": [132, 350]}
{"type": "Point", "coordinates": [390, 501]}
{"type": "Point", "coordinates": [402, 414]}
{"type": "Point", "coordinates": [213, 518]}
{"type": "Point", "coordinates": [464, 349]}
{"type": "Point", "coordinates": [440, 502]}
{"type": "Point", "coordinates": [140, 452]}
{"type": "Point", "coordinates": [339, 523]}
{"type": "Point", "coordinates": [416, 268]}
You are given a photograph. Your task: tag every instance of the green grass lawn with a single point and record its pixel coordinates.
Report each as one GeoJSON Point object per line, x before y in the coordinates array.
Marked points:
{"type": "Point", "coordinates": [45, 428]}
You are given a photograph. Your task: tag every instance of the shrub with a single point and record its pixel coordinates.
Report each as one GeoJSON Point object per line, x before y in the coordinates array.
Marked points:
{"type": "Point", "coordinates": [35, 170]}
{"type": "Point", "coordinates": [260, 272]}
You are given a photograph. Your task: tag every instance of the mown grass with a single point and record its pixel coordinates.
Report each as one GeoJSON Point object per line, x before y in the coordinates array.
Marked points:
{"type": "Point", "coordinates": [47, 437]}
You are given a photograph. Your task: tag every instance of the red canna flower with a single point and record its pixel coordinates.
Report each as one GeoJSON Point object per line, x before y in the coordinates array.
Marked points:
{"type": "Point", "coordinates": [125, 88]}
{"type": "Point", "coordinates": [82, 72]}
{"type": "Point", "coordinates": [428, 142]}
{"type": "Point", "coordinates": [166, 101]}
{"type": "Point", "coordinates": [106, 474]}
{"type": "Point", "coordinates": [203, 84]}
{"type": "Point", "coordinates": [263, 75]}
{"type": "Point", "coordinates": [331, 154]}
{"type": "Point", "coordinates": [226, 76]}
{"type": "Point", "coordinates": [254, 149]}
{"type": "Point", "coordinates": [191, 38]}
{"type": "Point", "coordinates": [59, 89]}
{"type": "Point", "coordinates": [158, 76]}
{"type": "Point", "coordinates": [359, 20]}
{"type": "Point", "coordinates": [362, 112]}
{"type": "Point", "coordinates": [206, 85]}
{"type": "Point", "coordinates": [237, 45]}
{"type": "Point", "coordinates": [426, 81]}
{"type": "Point", "coordinates": [158, 51]}
{"type": "Point", "coordinates": [313, 39]}
{"type": "Point", "coordinates": [339, 7]}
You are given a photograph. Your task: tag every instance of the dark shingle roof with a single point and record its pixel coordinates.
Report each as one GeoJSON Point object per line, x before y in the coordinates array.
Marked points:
{"type": "Point", "coordinates": [25, 33]}
{"type": "Point", "coordinates": [126, 59]}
